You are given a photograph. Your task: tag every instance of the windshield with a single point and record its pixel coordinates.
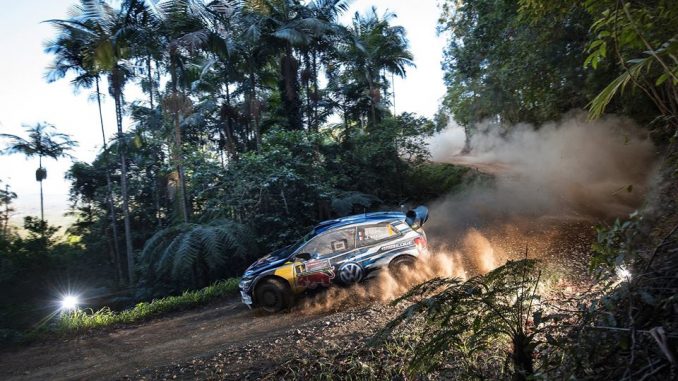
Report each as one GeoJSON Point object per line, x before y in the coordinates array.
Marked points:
{"type": "Point", "coordinates": [301, 241]}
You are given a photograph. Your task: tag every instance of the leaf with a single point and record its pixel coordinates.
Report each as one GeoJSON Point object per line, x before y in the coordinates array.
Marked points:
{"type": "Point", "coordinates": [662, 78]}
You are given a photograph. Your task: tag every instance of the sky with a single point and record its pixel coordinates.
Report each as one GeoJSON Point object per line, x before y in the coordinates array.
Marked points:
{"type": "Point", "coordinates": [26, 98]}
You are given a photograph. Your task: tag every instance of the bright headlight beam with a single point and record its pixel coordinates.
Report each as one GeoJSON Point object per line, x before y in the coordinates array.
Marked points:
{"type": "Point", "coordinates": [69, 302]}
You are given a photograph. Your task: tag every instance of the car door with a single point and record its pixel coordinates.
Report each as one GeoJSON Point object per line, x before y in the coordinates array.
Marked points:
{"type": "Point", "coordinates": [324, 251]}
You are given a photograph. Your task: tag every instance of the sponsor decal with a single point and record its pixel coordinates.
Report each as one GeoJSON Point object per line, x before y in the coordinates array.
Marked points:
{"type": "Point", "coordinates": [314, 272]}
{"type": "Point", "coordinates": [396, 245]}
{"type": "Point", "coordinates": [313, 265]}
{"type": "Point", "coordinates": [312, 280]}
{"type": "Point", "coordinates": [351, 272]}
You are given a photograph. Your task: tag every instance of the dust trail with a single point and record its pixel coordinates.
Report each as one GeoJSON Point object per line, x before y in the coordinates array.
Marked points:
{"type": "Point", "coordinates": [549, 187]}
{"type": "Point", "coordinates": [572, 168]}
{"type": "Point", "coordinates": [385, 286]}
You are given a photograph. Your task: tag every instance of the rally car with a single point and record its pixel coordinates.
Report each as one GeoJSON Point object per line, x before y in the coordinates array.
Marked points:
{"type": "Point", "coordinates": [343, 251]}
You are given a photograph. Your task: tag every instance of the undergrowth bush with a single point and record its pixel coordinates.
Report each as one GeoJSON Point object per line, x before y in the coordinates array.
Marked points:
{"type": "Point", "coordinates": [81, 320]}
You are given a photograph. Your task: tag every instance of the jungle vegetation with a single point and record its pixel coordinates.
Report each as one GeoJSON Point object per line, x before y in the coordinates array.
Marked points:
{"type": "Point", "coordinates": [259, 119]}
{"type": "Point", "coordinates": [263, 116]}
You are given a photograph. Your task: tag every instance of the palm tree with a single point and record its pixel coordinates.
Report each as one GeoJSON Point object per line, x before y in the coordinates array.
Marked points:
{"type": "Point", "coordinates": [41, 142]}
{"type": "Point", "coordinates": [72, 50]}
{"type": "Point", "coordinates": [107, 53]}
{"type": "Point", "coordinates": [323, 45]}
{"type": "Point", "coordinates": [286, 27]}
{"type": "Point", "coordinates": [374, 47]}
{"type": "Point", "coordinates": [183, 29]}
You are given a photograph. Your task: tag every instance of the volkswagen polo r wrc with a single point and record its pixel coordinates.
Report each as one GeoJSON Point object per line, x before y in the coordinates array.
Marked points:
{"type": "Point", "coordinates": [343, 251]}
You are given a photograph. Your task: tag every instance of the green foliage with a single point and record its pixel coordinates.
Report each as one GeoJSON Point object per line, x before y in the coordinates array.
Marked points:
{"type": "Point", "coordinates": [627, 326]}
{"type": "Point", "coordinates": [371, 48]}
{"type": "Point", "coordinates": [229, 155]}
{"type": "Point", "coordinates": [29, 265]}
{"type": "Point", "coordinates": [82, 320]}
{"type": "Point", "coordinates": [635, 34]}
{"type": "Point", "coordinates": [480, 322]}
{"type": "Point", "coordinates": [432, 180]}
{"type": "Point", "coordinates": [6, 199]}
{"type": "Point", "coordinates": [614, 246]}
{"type": "Point", "coordinates": [42, 141]}
{"type": "Point", "coordinates": [502, 67]}
{"type": "Point", "coordinates": [346, 202]}
{"type": "Point", "coordinates": [377, 161]}
{"type": "Point", "coordinates": [633, 41]}
{"type": "Point", "coordinates": [192, 254]}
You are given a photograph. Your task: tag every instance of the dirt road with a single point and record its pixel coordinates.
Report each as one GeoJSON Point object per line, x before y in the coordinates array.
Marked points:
{"type": "Point", "coordinates": [121, 352]}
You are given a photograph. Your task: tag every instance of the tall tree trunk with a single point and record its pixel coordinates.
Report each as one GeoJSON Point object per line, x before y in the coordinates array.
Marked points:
{"type": "Point", "coordinates": [228, 126]}
{"type": "Point", "coordinates": [393, 91]}
{"type": "Point", "coordinates": [375, 96]}
{"type": "Point", "coordinates": [255, 112]}
{"type": "Point", "coordinates": [122, 149]}
{"type": "Point", "coordinates": [308, 72]}
{"type": "Point", "coordinates": [42, 202]}
{"type": "Point", "coordinates": [373, 109]}
{"type": "Point", "coordinates": [467, 140]}
{"type": "Point", "coordinates": [178, 157]}
{"type": "Point", "coordinates": [5, 227]}
{"type": "Point", "coordinates": [316, 93]}
{"type": "Point", "coordinates": [109, 191]}
{"type": "Point", "coordinates": [150, 82]}
{"type": "Point", "coordinates": [289, 89]}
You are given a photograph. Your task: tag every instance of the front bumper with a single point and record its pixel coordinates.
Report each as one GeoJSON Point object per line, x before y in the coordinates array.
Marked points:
{"type": "Point", "coordinates": [246, 298]}
{"type": "Point", "coordinates": [245, 295]}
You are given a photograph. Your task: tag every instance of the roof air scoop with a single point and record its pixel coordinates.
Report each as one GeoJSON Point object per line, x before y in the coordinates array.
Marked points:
{"type": "Point", "coordinates": [417, 217]}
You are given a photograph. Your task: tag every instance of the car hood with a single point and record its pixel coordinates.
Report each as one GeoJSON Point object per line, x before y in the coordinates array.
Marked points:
{"type": "Point", "coordinates": [269, 261]}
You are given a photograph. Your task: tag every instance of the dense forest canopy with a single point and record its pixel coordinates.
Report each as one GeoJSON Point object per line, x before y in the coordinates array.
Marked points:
{"type": "Point", "coordinates": [235, 150]}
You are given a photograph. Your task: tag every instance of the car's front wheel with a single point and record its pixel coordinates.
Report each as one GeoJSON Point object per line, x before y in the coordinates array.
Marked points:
{"type": "Point", "coordinates": [273, 295]}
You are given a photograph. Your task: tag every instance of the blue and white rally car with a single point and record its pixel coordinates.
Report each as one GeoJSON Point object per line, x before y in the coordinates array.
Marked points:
{"type": "Point", "coordinates": [344, 251]}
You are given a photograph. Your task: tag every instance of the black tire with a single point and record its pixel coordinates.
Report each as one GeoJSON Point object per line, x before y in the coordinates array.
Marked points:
{"type": "Point", "coordinates": [402, 265]}
{"type": "Point", "coordinates": [273, 295]}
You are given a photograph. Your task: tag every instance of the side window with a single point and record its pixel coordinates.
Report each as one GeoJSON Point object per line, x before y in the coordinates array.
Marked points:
{"type": "Point", "coordinates": [331, 243]}
{"type": "Point", "coordinates": [370, 234]}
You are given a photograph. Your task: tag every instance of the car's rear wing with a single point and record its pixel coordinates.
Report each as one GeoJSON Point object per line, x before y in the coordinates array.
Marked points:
{"type": "Point", "coordinates": [417, 217]}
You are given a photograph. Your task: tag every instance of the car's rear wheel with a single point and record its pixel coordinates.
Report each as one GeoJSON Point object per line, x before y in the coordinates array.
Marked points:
{"type": "Point", "coordinates": [401, 266]}
{"type": "Point", "coordinates": [273, 295]}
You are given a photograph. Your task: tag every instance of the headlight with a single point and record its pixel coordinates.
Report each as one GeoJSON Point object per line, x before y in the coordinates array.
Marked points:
{"type": "Point", "coordinates": [245, 284]}
{"type": "Point", "coordinates": [69, 303]}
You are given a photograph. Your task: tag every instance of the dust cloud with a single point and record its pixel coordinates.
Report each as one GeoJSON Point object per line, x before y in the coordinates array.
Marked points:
{"type": "Point", "coordinates": [573, 168]}
{"type": "Point", "coordinates": [546, 188]}
{"type": "Point", "coordinates": [533, 193]}
{"type": "Point", "coordinates": [386, 286]}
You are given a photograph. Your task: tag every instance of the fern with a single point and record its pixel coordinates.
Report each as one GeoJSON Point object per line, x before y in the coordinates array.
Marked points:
{"type": "Point", "coordinates": [211, 250]}
{"type": "Point", "coordinates": [477, 318]}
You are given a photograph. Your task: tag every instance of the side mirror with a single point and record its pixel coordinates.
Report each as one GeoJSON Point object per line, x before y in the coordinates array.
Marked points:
{"type": "Point", "coordinates": [304, 256]}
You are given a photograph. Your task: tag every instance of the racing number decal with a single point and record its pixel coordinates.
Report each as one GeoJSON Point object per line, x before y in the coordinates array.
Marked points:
{"type": "Point", "coordinates": [350, 273]}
